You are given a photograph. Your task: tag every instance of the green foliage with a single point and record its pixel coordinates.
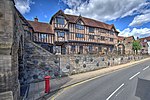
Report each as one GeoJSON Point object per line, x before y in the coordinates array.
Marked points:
{"type": "Point", "coordinates": [136, 45]}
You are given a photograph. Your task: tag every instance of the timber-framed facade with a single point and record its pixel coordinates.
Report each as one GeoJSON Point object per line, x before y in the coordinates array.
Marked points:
{"type": "Point", "coordinates": [70, 34]}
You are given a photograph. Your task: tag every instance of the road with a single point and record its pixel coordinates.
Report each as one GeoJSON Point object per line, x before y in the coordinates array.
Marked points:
{"type": "Point", "coordinates": [119, 85]}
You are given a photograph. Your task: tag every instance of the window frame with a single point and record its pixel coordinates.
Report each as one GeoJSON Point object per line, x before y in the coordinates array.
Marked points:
{"type": "Point", "coordinates": [43, 36]}
{"type": "Point", "coordinates": [79, 27]}
{"type": "Point", "coordinates": [90, 48]}
{"type": "Point", "coordinates": [61, 34]}
{"type": "Point", "coordinates": [112, 39]}
{"type": "Point", "coordinates": [79, 35]}
{"type": "Point", "coordinates": [103, 38]}
{"type": "Point", "coordinates": [91, 29]}
{"type": "Point", "coordinates": [91, 37]}
{"type": "Point", "coordinates": [60, 20]}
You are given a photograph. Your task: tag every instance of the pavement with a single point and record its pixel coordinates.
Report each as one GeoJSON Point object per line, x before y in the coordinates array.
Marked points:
{"type": "Point", "coordinates": [36, 90]}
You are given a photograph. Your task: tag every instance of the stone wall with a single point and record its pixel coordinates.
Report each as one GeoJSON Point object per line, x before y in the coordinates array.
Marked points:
{"type": "Point", "coordinates": [11, 47]}
{"type": "Point", "coordinates": [8, 56]}
{"type": "Point", "coordinates": [74, 64]}
{"type": "Point", "coordinates": [38, 63]}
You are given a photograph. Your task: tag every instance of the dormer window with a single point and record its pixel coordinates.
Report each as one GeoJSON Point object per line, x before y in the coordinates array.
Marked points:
{"type": "Point", "coordinates": [60, 20]}
{"type": "Point", "coordinates": [79, 26]}
{"type": "Point", "coordinates": [113, 30]}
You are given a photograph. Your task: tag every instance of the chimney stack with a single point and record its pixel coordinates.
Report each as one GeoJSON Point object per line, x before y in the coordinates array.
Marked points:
{"type": "Point", "coordinates": [36, 19]}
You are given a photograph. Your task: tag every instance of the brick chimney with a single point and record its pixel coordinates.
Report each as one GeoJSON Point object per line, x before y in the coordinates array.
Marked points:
{"type": "Point", "coordinates": [36, 19]}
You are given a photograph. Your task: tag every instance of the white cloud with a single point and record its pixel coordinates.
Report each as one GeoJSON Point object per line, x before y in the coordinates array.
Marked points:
{"type": "Point", "coordinates": [141, 9]}
{"type": "Point", "coordinates": [140, 20]}
{"type": "Point", "coordinates": [23, 5]}
{"type": "Point", "coordinates": [142, 32]}
{"type": "Point", "coordinates": [72, 3]}
{"type": "Point", "coordinates": [104, 10]}
{"type": "Point", "coordinates": [143, 15]}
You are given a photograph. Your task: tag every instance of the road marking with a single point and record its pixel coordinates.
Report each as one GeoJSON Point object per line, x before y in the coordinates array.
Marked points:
{"type": "Point", "coordinates": [146, 68]}
{"type": "Point", "coordinates": [115, 91]}
{"type": "Point", "coordinates": [134, 75]}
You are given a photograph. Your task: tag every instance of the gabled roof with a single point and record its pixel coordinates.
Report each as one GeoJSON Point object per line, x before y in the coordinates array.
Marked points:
{"type": "Point", "coordinates": [121, 38]}
{"type": "Point", "coordinates": [87, 21]}
{"type": "Point", "coordinates": [41, 27]}
{"type": "Point", "coordinates": [130, 38]}
{"type": "Point", "coordinates": [127, 39]}
{"type": "Point", "coordinates": [145, 38]}
{"type": "Point", "coordinates": [59, 12]}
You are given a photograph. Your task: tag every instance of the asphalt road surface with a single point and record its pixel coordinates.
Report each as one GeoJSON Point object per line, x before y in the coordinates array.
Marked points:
{"type": "Point", "coordinates": [120, 85]}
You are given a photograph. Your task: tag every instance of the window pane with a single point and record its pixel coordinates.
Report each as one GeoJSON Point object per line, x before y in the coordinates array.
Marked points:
{"type": "Point", "coordinates": [91, 36]}
{"type": "Point", "coordinates": [61, 34]}
{"type": "Point", "coordinates": [91, 29]}
{"type": "Point", "coordinates": [43, 36]}
{"type": "Point", "coordinates": [73, 48]}
{"type": "Point", "coordinates": [90, 48]}
{"type": "Point", "coordinates": [78, 35]}
{"type": "Point", "coordinates": [80, 27]}
{"type": "Point", "coordinates": [102, 38]}
{"type": "Point", "coordinates": [111, 39]}
{"type": "Point", "coordinates": [60, 20]}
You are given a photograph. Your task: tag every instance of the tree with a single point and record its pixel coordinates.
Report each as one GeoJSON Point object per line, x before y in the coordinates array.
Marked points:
{"type": "Point", "coordinates": [136, 46]}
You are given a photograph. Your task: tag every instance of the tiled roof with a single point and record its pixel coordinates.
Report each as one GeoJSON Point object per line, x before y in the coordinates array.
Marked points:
{"type": "Point", "coordinates": [121, 38]}
{"type": "Point", "coordinates": [130, 38]}
{"type": "Point", "coordinates": [127, 39]}
{"type": "Point", "coordinates": [41, 27]}
{"type": "Point", "coordinates": [89, 22]}
{"type": "Point", "coordinates": [145, 38]}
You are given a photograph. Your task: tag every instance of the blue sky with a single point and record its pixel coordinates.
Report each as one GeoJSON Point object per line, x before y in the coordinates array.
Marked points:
{"type": "Point", "coordinates": [131, 17]}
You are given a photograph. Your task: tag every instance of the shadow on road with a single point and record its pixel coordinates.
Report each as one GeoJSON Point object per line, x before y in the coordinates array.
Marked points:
{"type": "Point", "coordinates": [143, 89]}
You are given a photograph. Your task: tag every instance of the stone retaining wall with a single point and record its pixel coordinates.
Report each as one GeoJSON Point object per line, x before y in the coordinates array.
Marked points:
{"type": "Point", "coordinates": [82, 63]}
{"type": "Point", "coordinates": [38, 63]}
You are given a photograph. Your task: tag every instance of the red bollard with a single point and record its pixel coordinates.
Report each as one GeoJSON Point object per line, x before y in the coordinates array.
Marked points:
{"type": "Point", "coordinates": [47, 84]}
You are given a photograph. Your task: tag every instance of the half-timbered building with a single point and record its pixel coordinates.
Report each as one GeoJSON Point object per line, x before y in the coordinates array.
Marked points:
{"type": "Point", "coordinates": [43, 34]}
{"type": "Point", "coordinates": [70, 34]}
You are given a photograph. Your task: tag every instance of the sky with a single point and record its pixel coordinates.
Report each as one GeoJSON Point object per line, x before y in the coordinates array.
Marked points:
{"type": "Point", "coordinates": [130, 17]}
